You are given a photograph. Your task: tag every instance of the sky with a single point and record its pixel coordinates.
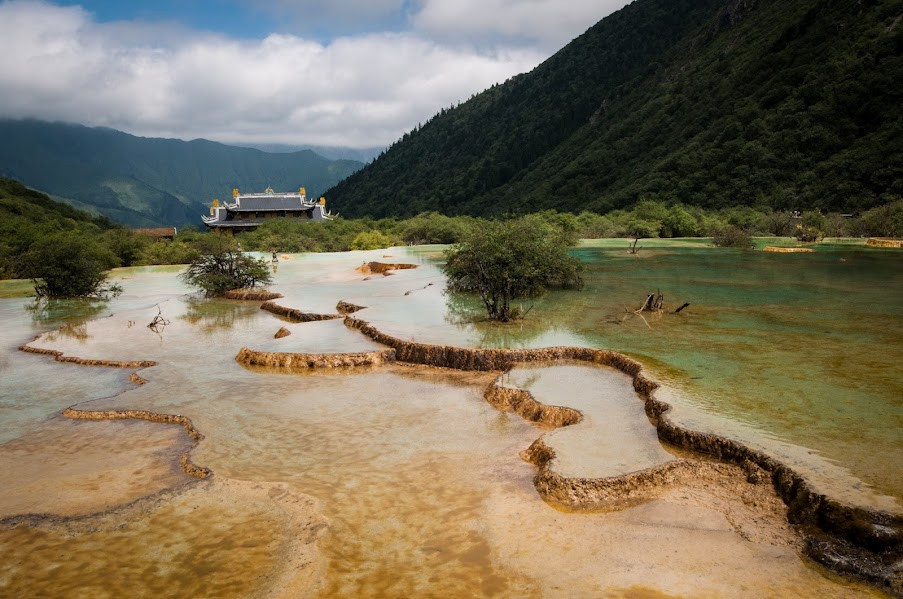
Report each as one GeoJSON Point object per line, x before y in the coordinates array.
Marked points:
{"type": "Point", "coordinates": [353, 73]}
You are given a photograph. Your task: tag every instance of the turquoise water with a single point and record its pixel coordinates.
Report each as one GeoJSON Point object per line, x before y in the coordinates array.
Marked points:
{"type": "Point", "coordinates": [805, 347]}
{"type": "Point", "coordinates": [800, 349]}
{"type": "Point", "coordinates": [796, 349]}
{"type": "Point", "coordinates": [797, 353]}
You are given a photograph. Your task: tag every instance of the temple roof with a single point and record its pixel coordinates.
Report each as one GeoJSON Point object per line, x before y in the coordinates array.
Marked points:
{"type": "Point", "coordinates": [268, 202]}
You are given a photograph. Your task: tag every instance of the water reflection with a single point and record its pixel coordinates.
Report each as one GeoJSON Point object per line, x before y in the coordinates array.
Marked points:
{"type": "Point", "coordinates": [419, 478]}
{"type": "Point", "coordinates": [806, 347]}
{"type": "Point", "coordinates": [48, 312]}
{"type": "Point", "coordinates": [467, 311]}
{"type": "Point", "coordinates": [210, 315]}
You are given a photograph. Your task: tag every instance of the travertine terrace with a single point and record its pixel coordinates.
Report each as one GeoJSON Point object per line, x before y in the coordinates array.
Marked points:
{"type": "Point", "coordinates": [710, 493]}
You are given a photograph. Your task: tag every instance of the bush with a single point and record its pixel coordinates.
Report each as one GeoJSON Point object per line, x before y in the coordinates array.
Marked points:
{"type": "Point", "coordinates": [807, 233]}
{"type": "Point", "coordinates": [885, 221]}
{"type": "Point", "coordinates": [679, 223]}
{"type": "Point", "coordinates": [746, 218]}
{"type": "Point", "coordinates": [372, 240]}
{"type": "Point", "coordinates": [732, 237]}
{"type": "Point", "coordinates": [594, 226]}
{"type": "Point", "coordinates": [637, 229]}
{"type": "Point", "coordinates": [431, 227]}
{"type": "Point", "coordinates": [222, 267]}
{"type": "Point", "coordinates": [778, 223]}
{"type": "Point", "coordinates": [502, 261]}
{"type": "Point", "coordinates": [168, 252]}
{"type": "Point", "coordinates": [69, 264]}
{"type": "Point", "coordinates": [127, 245]}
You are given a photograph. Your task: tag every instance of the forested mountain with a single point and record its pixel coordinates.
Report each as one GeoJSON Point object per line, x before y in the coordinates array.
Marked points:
{"type": "Point", "coordinates": [792, 105]}
{"type": "Point", "coordinates": [27, 215]}
{"type": "Point", "coordinates": [147, 182]}
{"type": "Point", "coordinates": [21, 207]}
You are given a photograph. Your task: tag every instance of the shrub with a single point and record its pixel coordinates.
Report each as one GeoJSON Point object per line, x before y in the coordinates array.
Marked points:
{"type": "Point", "coordinates": [502, 261]}
{"type": "Point", "coordinates": [222, 267]}
{"type": "Point", "coordinates": [594, 226]}
{"type": "Point", "coordinates": [679, 223]}
{"type": "Point", "coordinates": [640, 229]}
{"type": "Point", "coordinates": [732, 237]}
{"type": "Point", "coordinates": [69, 264]}
{"type": "Point", "coordinates": [127, 245]}
{"type": "Point", "coordinates": [807, 233]}
{"type": "Point", "coordinates": [886, 220]}
{"type": "Point", "coordinates": [431, 227]}
{"type": "Point", "coordinates": [168, 252]}
{"type": "Point", "coordinates": [372, 240]}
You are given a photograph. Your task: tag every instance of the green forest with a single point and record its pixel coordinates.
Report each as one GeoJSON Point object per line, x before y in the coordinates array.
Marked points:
{"type": "Point", "coordinates": [709, 103]}
{"type": "Point", "coordinates": [31, 221]}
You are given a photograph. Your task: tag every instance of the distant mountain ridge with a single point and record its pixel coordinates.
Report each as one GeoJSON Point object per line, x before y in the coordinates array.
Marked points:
{"type": "Point", "coordinates": [150, 182]}
{"type": "Point", "coordinates": [792, 105]}
{"type": "Point", "coordinates": [332, 152]}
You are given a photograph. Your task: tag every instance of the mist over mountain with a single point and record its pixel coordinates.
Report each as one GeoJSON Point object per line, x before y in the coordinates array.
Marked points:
{"type": "Point", "coordinates": [332, 152]}
{"type": "Point", "coordinates": [715, 103]}
{"type": "Point", "coordinates": [148, 182]}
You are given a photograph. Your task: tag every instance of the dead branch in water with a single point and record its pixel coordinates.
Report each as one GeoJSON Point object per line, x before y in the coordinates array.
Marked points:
{"type": "Point", "coordinates": [629, 313]}
{"type": "Point", "coordinates": [654, 303]}
{"type": "Point", "coordinates": [158, 323]}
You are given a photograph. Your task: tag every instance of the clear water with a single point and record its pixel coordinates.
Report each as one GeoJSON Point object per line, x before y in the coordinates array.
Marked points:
{"type": "Point", "coordinates": [417, 476]}
{"type": "Point", "coordinates": [805, 348]}
{"type": "Point", "coordinates": [786, 351]}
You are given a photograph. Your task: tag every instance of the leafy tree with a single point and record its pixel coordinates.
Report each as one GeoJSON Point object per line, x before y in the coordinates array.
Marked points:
{"type": "Point", "coordinates": [125, 244]}
{"type": "Point", "coordinates": [807, 233]}
{"type": "Point", "coordinates": [746, 218]}
{"type": "Point", "coordinates": [885, 221]}
{"type": "Point", "coordinates": [432, 227]}
{"type": "Point", "coordinates": [640, 229]}
{"type": "Point", "coordinates": [69, 264]}
{"type": "Point", "coordinates": [651, 211]}
{"type": "Point", "coordinates": [732, 236]}
{"type": "Point", "coordinates": [504, 261]}
{"type": "Point", "coordinates": [372, 240]}
{"type": "Point", "coordinates": [168, 252]}
{"type": "Point", "coordinates": [594, 226]}
{"type": "Point", "coordinates": [222, 267]}
{"type": "Point", "coordinates": [678, 222]}
{"type": "Point", "coordinates": [814, 219]}
{"type": "Point", "coordinates": [779, 223]}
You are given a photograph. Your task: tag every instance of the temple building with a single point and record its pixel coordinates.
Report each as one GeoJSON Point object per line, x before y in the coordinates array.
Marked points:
{"type": "Point", "coordinates": [250, 210]}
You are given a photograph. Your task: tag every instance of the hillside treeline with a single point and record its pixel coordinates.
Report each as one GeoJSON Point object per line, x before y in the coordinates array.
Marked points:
{"type": "Point", "coordinates": [29, 219]}
{"type": "Point", "coordinates": [710, 103]}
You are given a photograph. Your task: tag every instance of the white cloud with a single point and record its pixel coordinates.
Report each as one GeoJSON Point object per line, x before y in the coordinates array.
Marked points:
{"type": "Point", "coordinates": [160, 79]}
{"type": "Point", "coordinates": [550, 24]}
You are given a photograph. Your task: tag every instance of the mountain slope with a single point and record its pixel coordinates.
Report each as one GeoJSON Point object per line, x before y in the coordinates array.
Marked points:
{"type": "Point", "coordinates": [21, 206]}
{"type": "Point", "coordinates": [706, 102]}
{"type": "Point", "coordinates": [146, 181]}
{"type": "Point", "coordinates": [26, 215]}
